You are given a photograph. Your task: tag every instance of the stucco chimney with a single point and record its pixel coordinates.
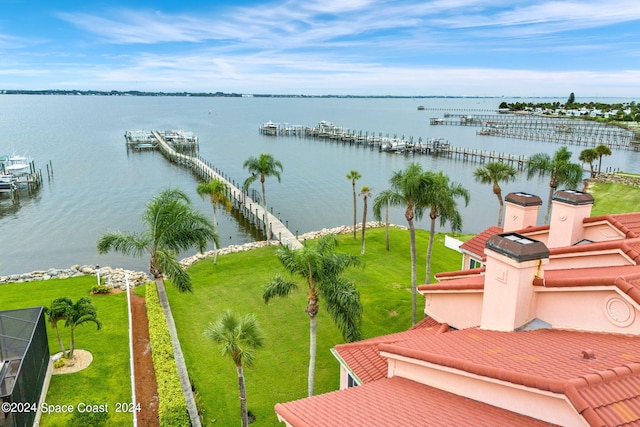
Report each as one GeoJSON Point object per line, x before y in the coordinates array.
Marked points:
{"type": "Point", "coordinates": [521, 211]}
{"type": "Point", "coordinates": [513, 261]}
{"type": "Point", "coordinates": [569, 209]}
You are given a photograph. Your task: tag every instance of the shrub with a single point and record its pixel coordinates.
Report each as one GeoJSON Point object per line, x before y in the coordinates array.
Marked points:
{"type": "Point", "coordinates": [100, 289]}
{"type": "Point", "coordinates": [60, 363]}
{"type": "Point", "coordinates": [172, 407]}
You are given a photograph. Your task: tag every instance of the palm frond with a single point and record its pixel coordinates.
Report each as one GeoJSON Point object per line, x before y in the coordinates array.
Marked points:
{"type": "Point", "coordinates": [168, 264]}
{"type": "Point", "coordinates": [278, 287]}
{"type": "Point", "coordinates": [134, 244]}
{"type": "Point", "coordinates": [342, 302]}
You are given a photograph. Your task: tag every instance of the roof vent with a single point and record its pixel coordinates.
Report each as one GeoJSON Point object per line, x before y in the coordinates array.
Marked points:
{"type": "Point", "coordinates": [588, 354]}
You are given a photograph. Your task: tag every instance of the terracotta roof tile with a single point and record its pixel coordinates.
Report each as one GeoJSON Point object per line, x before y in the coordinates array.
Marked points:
{"type": "Point", "coordinates": [626, 278]}
{"type": "Point", "coordinates": [545, 359]}
{"type": "Point", "coordinates": [630, 247]}
{"type": "Point", "coordinates": [448, 275]}
{"type": "Point", "coordinates": [628, 223]}
{"type": "Point", "coordinates": [363, 357]}
{"type": "Point", "coordinates": [476, 244]}
{"type": "Point", "coordinates": [397, 402]}
{"type": "Point", "coordinates": [465, 283]}
{"type": "Point", "coordinates": [609, 397]}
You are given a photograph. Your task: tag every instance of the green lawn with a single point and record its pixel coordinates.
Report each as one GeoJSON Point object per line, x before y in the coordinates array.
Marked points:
{"type": "Point", "coordinates": [107, 379]}
{"type": "Point", "coordinates": [612, 198]}
{"type": "Point", "coordinates": [280, 370]}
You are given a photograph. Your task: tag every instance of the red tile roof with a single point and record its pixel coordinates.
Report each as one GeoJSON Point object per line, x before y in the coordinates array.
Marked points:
{"type": "Point", "coordinates": [397, 402]}
{"type": "Point", "coordinates": [628, 223]}
{"type": "Point", "coordinates": [598, 372]}
{"type": "Point", "coordinates": [547, 359]}
{"type": "Point", "coordinates": [465, 283]}
{"type": "Point", "coordinates": [630, 247]}
{"type": "Point", "coordinates": [626, 278]}
{"type": "Point", "coordinates": [476, 244]}
{"type": "Point", "coordinates": [363, 357]}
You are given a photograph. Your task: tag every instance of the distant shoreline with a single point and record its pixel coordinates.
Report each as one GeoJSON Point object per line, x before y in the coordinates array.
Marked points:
{"type": "Point", "coordinates": [251, 95]}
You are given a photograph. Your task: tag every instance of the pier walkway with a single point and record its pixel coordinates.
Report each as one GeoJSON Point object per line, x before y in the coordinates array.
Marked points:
{"type": "Point", "coordinates": [440, 147]}
{"type": "Point", "coordinates": [548, 129]}
{"type": "Point", "coordinates": [252, 210]}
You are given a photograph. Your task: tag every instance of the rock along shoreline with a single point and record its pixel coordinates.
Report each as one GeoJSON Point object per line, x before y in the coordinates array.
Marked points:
{"type": "Point", "coordinates": [117, 277]}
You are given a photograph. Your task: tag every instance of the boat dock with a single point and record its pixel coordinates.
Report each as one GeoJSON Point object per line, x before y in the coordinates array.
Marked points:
{"type": "Point", "coordinates": [548, 129]}
{"type": "Point", "coordinates": [10, 182]}
{"type": "Point", "coordinates": [392, 144]}
{"type": "Point", "coordinates": [250, 209]}
{"type": "Point", "coordinates": [180, 141]}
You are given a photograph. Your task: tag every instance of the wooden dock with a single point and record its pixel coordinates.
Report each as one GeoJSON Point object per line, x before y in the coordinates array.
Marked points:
{"type": "Point", "coordinates": [548, 129]}
{"type": "Point", "coordinates": [392, 144]}
{"type": "Point", "coordinates": [253, 211]}
{"type": "Point", "coordinates": [179, 140]}
{"type": "Point", "coordinates": [11, 185]}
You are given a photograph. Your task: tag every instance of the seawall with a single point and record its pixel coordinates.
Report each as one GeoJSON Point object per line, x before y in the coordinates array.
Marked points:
{"type": "Point", "coordinates": [117, 277]}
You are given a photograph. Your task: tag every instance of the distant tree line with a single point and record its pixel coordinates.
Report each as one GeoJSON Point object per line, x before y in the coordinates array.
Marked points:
{"type": "Point", "coordinates": [113, 93]}
{"type": "Point", "coordinates": [624, 112]}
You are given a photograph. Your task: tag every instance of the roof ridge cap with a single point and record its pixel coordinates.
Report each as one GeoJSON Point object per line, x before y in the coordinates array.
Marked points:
{"type": "Point", "coordinates": [605, 376]}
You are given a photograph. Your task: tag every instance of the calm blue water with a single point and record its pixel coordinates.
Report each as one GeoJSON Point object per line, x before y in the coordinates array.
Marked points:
{"type": "Point", "coordinates": [98, 186]}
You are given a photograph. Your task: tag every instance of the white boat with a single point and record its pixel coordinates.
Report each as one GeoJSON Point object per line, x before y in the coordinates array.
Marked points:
{"type": "Point", "coordinates": [269, 128]}
{"type": "Point", "coordinates": [7, 183]}
{"type": "Point", "coordinates": [17, 165]}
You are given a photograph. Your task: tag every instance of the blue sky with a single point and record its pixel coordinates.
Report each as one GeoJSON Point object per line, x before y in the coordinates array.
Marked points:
{"type": "Point", "coordinates": [359, 47]}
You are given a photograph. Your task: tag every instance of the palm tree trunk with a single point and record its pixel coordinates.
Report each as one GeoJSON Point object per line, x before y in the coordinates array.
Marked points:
{"type": "Point", "coordinates": [432, 233]}
{"type": "Point", "coordinates": [72, 343]}
{"type": "Point", "coordinates": [353, 183]}
{"type": "Point", "coordinates": [264, 197]}
{"type": "Point", "coordinates": [414, 289]}
{"type": "Point", "coordinates": [386, 223]}
{"type": "Point", "coordinates": [243, 396]}
{"type": "Point", "coordinates": [500, 210]}
{"type": "Point", "coordinates": [364, 224]}
{"type": "Point", "coordinates": [547, 214]}
{"type": "Point", "coordinates": [312, 354]}
{"type": "Point", "coordinates": [498, 192]}
{"type": "Point", "coordinates": [59, 340]}
{"type": "Point", "coordinates": [177, 354]}
{"type": "Point", "coordinates": [599, 164]}
{"type": "Point", "coordinates": [215, 225]}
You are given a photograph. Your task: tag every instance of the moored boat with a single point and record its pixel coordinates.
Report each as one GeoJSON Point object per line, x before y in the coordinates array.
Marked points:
{"type": "Point", "coordinates": [17, 165]}
{"type": "Point", "coordinates": [7, 183]}
{"type": "Point", "coordinates": [269, 128]}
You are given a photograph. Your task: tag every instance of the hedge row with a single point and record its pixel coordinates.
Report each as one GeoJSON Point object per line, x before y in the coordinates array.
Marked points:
{"type": "Point", "coordinates": [172, 409]}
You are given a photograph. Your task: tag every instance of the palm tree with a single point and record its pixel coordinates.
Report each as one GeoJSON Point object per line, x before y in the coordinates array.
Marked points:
{"type": "Point", "coordinates": [78, 314]}
{"type": "Point", "coordinates": [589, 155]}
{"type": "Point", "coordinates": [172, 225]}
{"type": "Point", "coordinates": [440, 198]}
{"type": "Point", "coordinates": [408, 189]}
{"type": "Point", "coordinates": [365, 192]}
{"type": "Point", "coordinates": [602, 150]}
{"type": "Point", "coordinates": [560, 169]}
{"type": "Point", "coordinates": [260, 168]}
{"type": "Point", "coordinates": [380, 200]}
{"type": "Point", "coordinates": [238, 337]}
{"type": "Point", "coordinates": [217, 192]}
{"type": "Point", "coordinates": [354, 176]}
{"type": "Point", "coordinates": [321, 267]}
{"type": "Point", "coordinates": [494, 173]}
{"type": "Point", "coordinates": [56, 313]}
